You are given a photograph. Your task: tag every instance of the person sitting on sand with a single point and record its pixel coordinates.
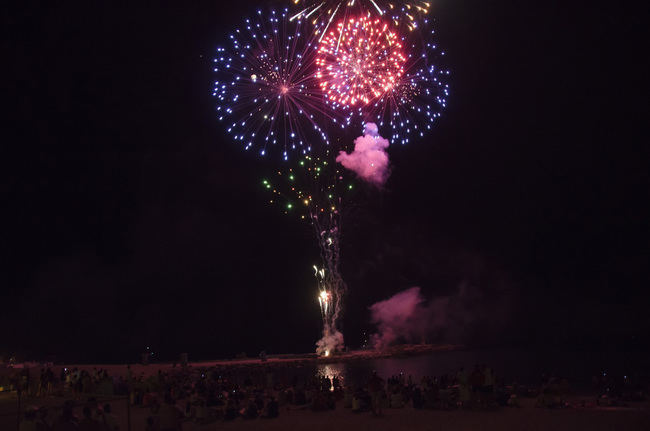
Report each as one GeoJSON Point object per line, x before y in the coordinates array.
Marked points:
{"type": "Point", "coordinates": [418, 402]}
{"type": "Point", "coordinates": [231, 411]}
{"type": "Point", "coordinates": [151, 424]}
{"type": "Point", "coordinates": [476, 381]}
{"type": "Point", "coordinates": [109, 419]}
{"type": "Point", "coordinates": [461, 376]}
{"type": "Point", "coordinates": [29, 421]}
{"type": "Point", "coordinates": [200, 411]}
{"type": "Point", "coordinates": [87, 385]}
{"type": "Point", "coordinates": [336, 383]}
{"type": "Point", "coordinates": [170, 415]}
{"type": "Point", "coordinates": [464, 394]}
{"type": "Point", "coordinates": [66, 421]}
{"type": "Point", "coordinates": [319, 403]}
{"type": "Point", "coordinates": [87, 423]}
{"type": "Point", "coordinates": [356, 402]}
{"type": "Point", "coordinates": [360, 401]}
{"type": "Point", "coordinates": [282, 397]}
{"type": "Point", "coordinates": [489, 379]}
{"type": "Point", "coordinates": [396, 399]}
{"type": "Point", "coordinates": [375, 386]}
{"type": "Point", "coordinates": [259, 401]}
{"type": "Point", "coordinates": [250, 412]}
{"type": "Point", "coordinates": [272, 409]}
{"type": "Point", "coordinates": [347, 397]}
{"type": "Point", "coordinates": [331, 400]}
{"type": "Point", "coordinates": [41, 420]}
{"type": "Point", "coordinates": [299, 397]}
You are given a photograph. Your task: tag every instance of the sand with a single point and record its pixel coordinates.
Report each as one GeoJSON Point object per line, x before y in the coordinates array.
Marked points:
{"type": "Point", "coordinates": [527, 417]}
{"type": "Point", "coordinates": [635, 417]}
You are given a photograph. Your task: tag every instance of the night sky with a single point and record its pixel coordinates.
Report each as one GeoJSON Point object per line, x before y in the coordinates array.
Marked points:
{"type": "Point", "coordinates": [131, 220]}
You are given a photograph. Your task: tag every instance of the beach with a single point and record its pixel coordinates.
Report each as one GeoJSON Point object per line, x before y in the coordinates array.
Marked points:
{"type": "Point", "coordinates": [527, 417]}
{"type": "Point", "coordinates": [581, 407]}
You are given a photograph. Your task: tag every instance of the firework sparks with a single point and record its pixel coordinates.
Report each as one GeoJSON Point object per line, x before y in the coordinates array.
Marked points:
{"type": "Point", "coordinates": [324, 301]}
{"type": "Point", "coordinates": [266, 90]}
{"type": "Point", "coordinates": [314, 186]}
{"type": "Point", "coordinates": [324, 297]}
{"type": "Point", "coordinates": [418, 97]}
{"type": "Point", "coordinates": [331, 289]}
{"type": "Point", "coordinates": [359, 61]}
{"type": "Point", "coordinates": [409, 13]}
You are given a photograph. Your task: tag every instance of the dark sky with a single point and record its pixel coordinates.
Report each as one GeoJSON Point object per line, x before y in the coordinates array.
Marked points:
{"type": "Point", "coordinates": [129, 219]}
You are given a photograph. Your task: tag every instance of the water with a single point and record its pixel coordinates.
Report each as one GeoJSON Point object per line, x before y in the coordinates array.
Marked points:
{"type": "Point", "coordinates": [525, 367]}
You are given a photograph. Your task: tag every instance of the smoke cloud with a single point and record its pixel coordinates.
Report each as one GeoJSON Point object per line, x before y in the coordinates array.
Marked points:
{"type": "Point", "coordinates": [398, 318]}
{"type": "Point", "coordinates": [369, 159]}
{"type": "Point", "coordinates": [332, 341]}
{"type": "Point", "coordinates": [467, 315]}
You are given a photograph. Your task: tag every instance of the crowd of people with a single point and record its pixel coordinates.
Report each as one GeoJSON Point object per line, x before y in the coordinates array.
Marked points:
{"type": "Point", "coordinates": [209, 394]}
{"type": "Point", "coordinates": [43, 381]}
{"type": "Point", "coordinates": [477, 389]}
{"type": "Point", "coordinates": [94, 417]}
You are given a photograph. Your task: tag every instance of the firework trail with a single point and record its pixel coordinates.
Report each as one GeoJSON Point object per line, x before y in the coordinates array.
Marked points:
{"type": "Point", "coordinates": [332, 288]}
{"type": "Point", "coordinates": [406, 14]}
{"type": "Point", "coordinates": [314, 189]}
{"type": "Point", "coordinates": [329, 299]}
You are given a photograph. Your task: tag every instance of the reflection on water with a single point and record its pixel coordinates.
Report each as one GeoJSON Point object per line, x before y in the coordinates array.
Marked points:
{"type": "Point", "coordinates": [330, 371]}
{"type": "Point", "coordinates": [511, 365]}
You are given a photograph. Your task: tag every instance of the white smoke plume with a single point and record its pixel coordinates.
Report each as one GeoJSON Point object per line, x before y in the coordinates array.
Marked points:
{"type": "Point", "coordinates": [331, 342]}
{"type": "Point", "coordinates": [369, 159]}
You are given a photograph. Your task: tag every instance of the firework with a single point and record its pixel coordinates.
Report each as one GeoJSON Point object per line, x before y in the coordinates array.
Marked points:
{"type": "Point", "coordinates": [324, 301]}
{"type": "Point", "coordinates": [418, 96]}
{"type": "Point", "coordinates": [312, 187]}
{"type": "Point", "coordinates": [331, 291]}
{"type": "Point", "coordinates": [284, 80]}
{"type": "Point", "coordinates": [374, 74]}
{"type": "Point", "coordinates": [322, 13]}
{"type": "Point", "coordinates": [266, 90]}
{"type": "Point", "coordinates": [359, 61]}
{"type": "Point", "coordinates": [324, 297]}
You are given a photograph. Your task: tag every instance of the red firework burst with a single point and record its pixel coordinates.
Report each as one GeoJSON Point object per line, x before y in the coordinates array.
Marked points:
{"type": "Point", "coordinates": [359, 61]}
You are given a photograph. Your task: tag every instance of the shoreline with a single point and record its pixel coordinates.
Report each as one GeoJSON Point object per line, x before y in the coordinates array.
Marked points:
{"type": "Point", "coordinates": [401, 351]}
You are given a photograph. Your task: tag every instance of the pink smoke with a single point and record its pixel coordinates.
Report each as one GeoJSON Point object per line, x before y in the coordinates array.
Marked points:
{"type": "Point", "coordinates": [369, 159]}
{"type": "Point", "coordinates": [398, 318]}
{"type": "Point", "coordinates": [456, 317]}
